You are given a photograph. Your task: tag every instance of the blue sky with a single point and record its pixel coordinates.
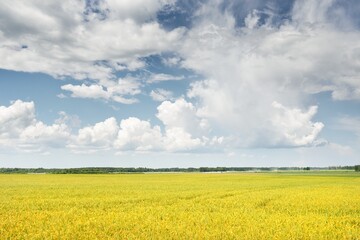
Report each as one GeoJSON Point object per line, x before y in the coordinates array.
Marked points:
{"type": "Point", "coordinates": [166, 83]}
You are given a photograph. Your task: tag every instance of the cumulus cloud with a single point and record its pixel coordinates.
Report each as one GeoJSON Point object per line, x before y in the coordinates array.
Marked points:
{"type": "Point", "coordinates": [84, 91]}
{"type": "Point", "coordinates": [295, 126]}
{"type": "Point", "coordinates": [81, 39]}
{"type": "Point", "coordinates": [39, 133]}
{"type": "Point", "coordinates": [177, 139]}
{"type": "Point", "coordinates": [20, 129]}
{"type": "Point", "coordinates": [136, 134]}
{"type": "Point", "coordinates": [183, 130]}
{"type": "Point", "coordinates": [15, 118]}
{"type": "Point", "coordinates": [182, 114]}
{"type": "Point", "coordinates": [251, 66]}
{"type": "Point", "coordinates": [98, 137]}
{"type": "Point", "coordinates": [258, 69]}
{"type": "Point", "coordinates": [115, 91]}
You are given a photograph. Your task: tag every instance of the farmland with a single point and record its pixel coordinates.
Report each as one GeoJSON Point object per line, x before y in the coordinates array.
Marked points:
{"type": "Point", "coordinates": [316, 205]}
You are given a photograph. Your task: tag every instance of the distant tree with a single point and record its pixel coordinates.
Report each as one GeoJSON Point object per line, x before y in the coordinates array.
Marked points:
{"type": "Point", "coordinates": [357, 168]}
{"type": "Point", "coordinates": [307, 168]}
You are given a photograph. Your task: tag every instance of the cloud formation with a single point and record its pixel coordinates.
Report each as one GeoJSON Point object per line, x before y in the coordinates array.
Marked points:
{"type": "Point", "coordinates": [20, 129]}
{"type": "Point", "coordinates": [89, 40]}
{"type": "Point", "coordinates": [257, 68]}
{"type": "Point", "coordinates": [248, 68]}
{"type": "Point", "coordinates": [121, 91]}
{"type": "Point", "coordinates": [73, 38]}
{"type": "Point", "coordinates": [97, 137]}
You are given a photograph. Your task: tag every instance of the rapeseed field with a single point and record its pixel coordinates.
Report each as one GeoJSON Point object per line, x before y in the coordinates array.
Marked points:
{"type": "Point", "coordinates": [181, 206]}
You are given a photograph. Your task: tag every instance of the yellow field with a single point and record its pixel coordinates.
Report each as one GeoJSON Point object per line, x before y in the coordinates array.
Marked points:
{"type": "Point", "coordinates": [181, 206]}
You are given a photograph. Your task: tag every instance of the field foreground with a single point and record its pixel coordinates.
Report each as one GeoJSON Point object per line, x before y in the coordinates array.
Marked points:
{"type": "Point", "coordinates": [181, 206]}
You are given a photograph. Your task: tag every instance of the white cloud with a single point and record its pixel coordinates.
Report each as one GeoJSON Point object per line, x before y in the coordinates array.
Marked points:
{"type": "Point", "coordinates": [15, 118]}
{"type": "Point", "coordinates": [117, 91]}
{"type": "Point", "coordinates": [159, 77]}
{"type": "Point", "coordinates": [136, 134]}
{"type": "Point", "coordinates": [20, 129]}
{"type": "Point", "coordinates": [183, 131]}
{"type": "Point", "coordinates": [125, 86]}
{"type": "Point", "coordinates": [256, 78]}
{"type": "Point", "coordinates": [177, 139]}
{"type": "Point", "coordinates": [84, 91]}
{"type": "Point", "coordinates": [72, 38]}
{"type": "Point", "coordinates": [54, 135]}
{"type": "Point", "coordinates": [294, 127]}
{"type": "Point", "coordinates": [182, 114]}
{"type": "Point", "coordinates": [161, 95]}
{"type": "Point", "coordinates": [139, 135]}
{"type": "Point", "coordinates": [171, 61]}
{"type": "Point", "coordinates": [248, 68]}
{"type": "Point", "coordinates": [99, 136]}
{"type": "Point", "coordinates": [124, 100]}
{"type": "Point", "coordinates": [252, 19]}
{"type": "Point", "coordinates": [179, 133]}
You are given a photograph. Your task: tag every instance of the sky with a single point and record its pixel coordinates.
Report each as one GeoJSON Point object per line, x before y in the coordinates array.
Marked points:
{"type": "Point", "coordinates": [179, 83]}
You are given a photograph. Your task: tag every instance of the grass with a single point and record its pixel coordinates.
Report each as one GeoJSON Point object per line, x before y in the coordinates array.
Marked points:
{"type": "Point", "coordinates": [314, 205]}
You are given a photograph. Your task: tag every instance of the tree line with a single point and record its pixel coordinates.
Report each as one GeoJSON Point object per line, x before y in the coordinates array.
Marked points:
{"type": "Point", "coordinates": [109, 170]}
